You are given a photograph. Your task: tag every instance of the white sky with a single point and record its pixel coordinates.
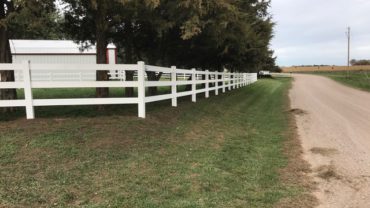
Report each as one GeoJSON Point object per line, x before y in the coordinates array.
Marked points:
{"type": "Point", "coordinates": [313, 31]}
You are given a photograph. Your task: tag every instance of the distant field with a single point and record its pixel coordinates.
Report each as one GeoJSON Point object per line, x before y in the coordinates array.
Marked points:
{"type": "Point", "coordinates": [324, 69]}
{"type": "Point", "coordinates": [356, 79]}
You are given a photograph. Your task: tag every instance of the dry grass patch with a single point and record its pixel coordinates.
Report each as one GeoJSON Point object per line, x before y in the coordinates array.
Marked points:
{"type": "Point", "coordinates": [328, 172]}
{"type": "Point", "coordinates": [324, 151]}
{"type": "Point", "coordinates": [298, 112]}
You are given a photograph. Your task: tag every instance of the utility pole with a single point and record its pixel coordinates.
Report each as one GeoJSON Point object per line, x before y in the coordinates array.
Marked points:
{"type": "Point", "coordinates": [348, 33]}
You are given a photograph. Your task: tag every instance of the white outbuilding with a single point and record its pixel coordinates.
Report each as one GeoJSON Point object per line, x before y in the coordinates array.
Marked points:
{"type": "Point", "coordinates": [58, 52]}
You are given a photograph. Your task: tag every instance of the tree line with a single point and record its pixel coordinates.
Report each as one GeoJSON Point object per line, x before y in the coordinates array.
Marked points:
{"type": "Point", "coordinates": [362, 62]}
{"type": "Point", "coordinates": [202, 34]}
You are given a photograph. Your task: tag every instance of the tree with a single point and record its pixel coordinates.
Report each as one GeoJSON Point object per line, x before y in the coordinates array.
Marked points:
{"type": "Point", "coordinates": [209, 35]}
{"type": "Point", "coordinates": [6, 8]}
{"type": "Point", "coordinates": [24, 19]}
{"type": "Point", "coordinates": [89, 21]}
{"type": "Point", "coordinates": [136, 36]}
{"type": "Point", "coordinates": [205, 34]}
{"type": "Point", "coordinates": [362, 62]}
{"type": "Point", "coordinates": [35, 19]}
{"type": "Point", "coordinates": [96, 22]}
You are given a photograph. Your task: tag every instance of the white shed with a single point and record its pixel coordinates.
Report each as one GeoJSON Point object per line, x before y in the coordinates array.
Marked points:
{"type": "Point", "coordinates": [58, 52]}
{"type": "Point", "coordinates": [55, 52]}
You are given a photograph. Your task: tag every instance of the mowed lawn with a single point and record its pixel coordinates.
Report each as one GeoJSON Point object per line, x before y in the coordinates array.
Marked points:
{"type": "Point", "coordinates": [356, 79]}
{"type": "Point", "coordinates": [225, 151]}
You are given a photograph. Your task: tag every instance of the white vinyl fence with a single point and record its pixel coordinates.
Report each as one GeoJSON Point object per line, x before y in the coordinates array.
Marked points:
{"type": "Point", "coordinates": [175, 77]}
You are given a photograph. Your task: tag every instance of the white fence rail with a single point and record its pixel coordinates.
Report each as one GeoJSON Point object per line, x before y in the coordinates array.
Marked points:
{"type": "Point", "coordinates": [213, 81]}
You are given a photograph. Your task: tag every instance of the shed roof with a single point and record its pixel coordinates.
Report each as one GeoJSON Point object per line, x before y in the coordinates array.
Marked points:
{"type": "Point", "coordinates": [50, 47]}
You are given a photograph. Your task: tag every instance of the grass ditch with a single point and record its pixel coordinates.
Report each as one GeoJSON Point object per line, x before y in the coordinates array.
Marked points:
{"type": "Point", "coordinates": [357, 79]}
{"type": "Point", "coordinates": [233, 150]}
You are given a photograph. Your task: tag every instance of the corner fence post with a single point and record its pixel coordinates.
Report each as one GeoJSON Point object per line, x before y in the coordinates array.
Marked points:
{"type": "Point", "coordinates": [30, 111]}
{"type": "Point", "coordinates": [141, 89]}
{"type": "Point", "coordinates": [207, 84]}
{"type": "Point", "coordinates": [174, 86]}
{"type": "Point", "coordinates": [194, 85]}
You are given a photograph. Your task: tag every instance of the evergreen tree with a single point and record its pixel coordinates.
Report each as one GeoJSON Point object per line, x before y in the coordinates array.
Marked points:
{"type": "Point", "coordinates": [24, 19]}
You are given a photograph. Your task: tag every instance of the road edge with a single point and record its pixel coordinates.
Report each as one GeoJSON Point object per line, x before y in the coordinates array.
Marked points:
{"type": "Point", "coordinates": [296, 172]}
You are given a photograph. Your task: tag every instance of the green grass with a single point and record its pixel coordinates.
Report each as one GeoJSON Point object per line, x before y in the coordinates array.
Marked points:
{"type": "Point", "coordinates": [356, 79]}
{"type": "Point", "coordinates": [225, 151]}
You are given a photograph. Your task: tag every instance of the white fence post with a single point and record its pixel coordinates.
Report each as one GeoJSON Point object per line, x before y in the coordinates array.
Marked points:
{"type": "Point", "coordinates": [194, 85]}
{"type": "Point", "coordinates": [244, 80]}
{"type": "Point", "coordinates": [230, 81]}
{"type": "Point", "coordinates": [141, 89]}
{"type": "Point", "coordinates": [30, 111]}
{"type": "Point", "coordinates": [240, 80]}
{"type": "Point", "coordinates": [229, 78]}
{"type": "Point", "coordinates": [216, 79]}
{"type": "Point", "coordinates": [223, 83]}
{"type": "Point", "coordinates": [207, 84]}
{"type": "Point", "coordinates": [234, 81]}
{"type": "Point", "coordinates": [174, 86]}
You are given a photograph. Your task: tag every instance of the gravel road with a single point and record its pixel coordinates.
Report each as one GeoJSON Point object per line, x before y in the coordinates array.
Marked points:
{"type": "Point", "coordinates": [334, 127]}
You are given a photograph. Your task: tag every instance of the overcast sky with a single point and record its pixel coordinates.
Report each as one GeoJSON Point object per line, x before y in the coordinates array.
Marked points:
{"type": "Point", "coordinates": [313, 31]}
